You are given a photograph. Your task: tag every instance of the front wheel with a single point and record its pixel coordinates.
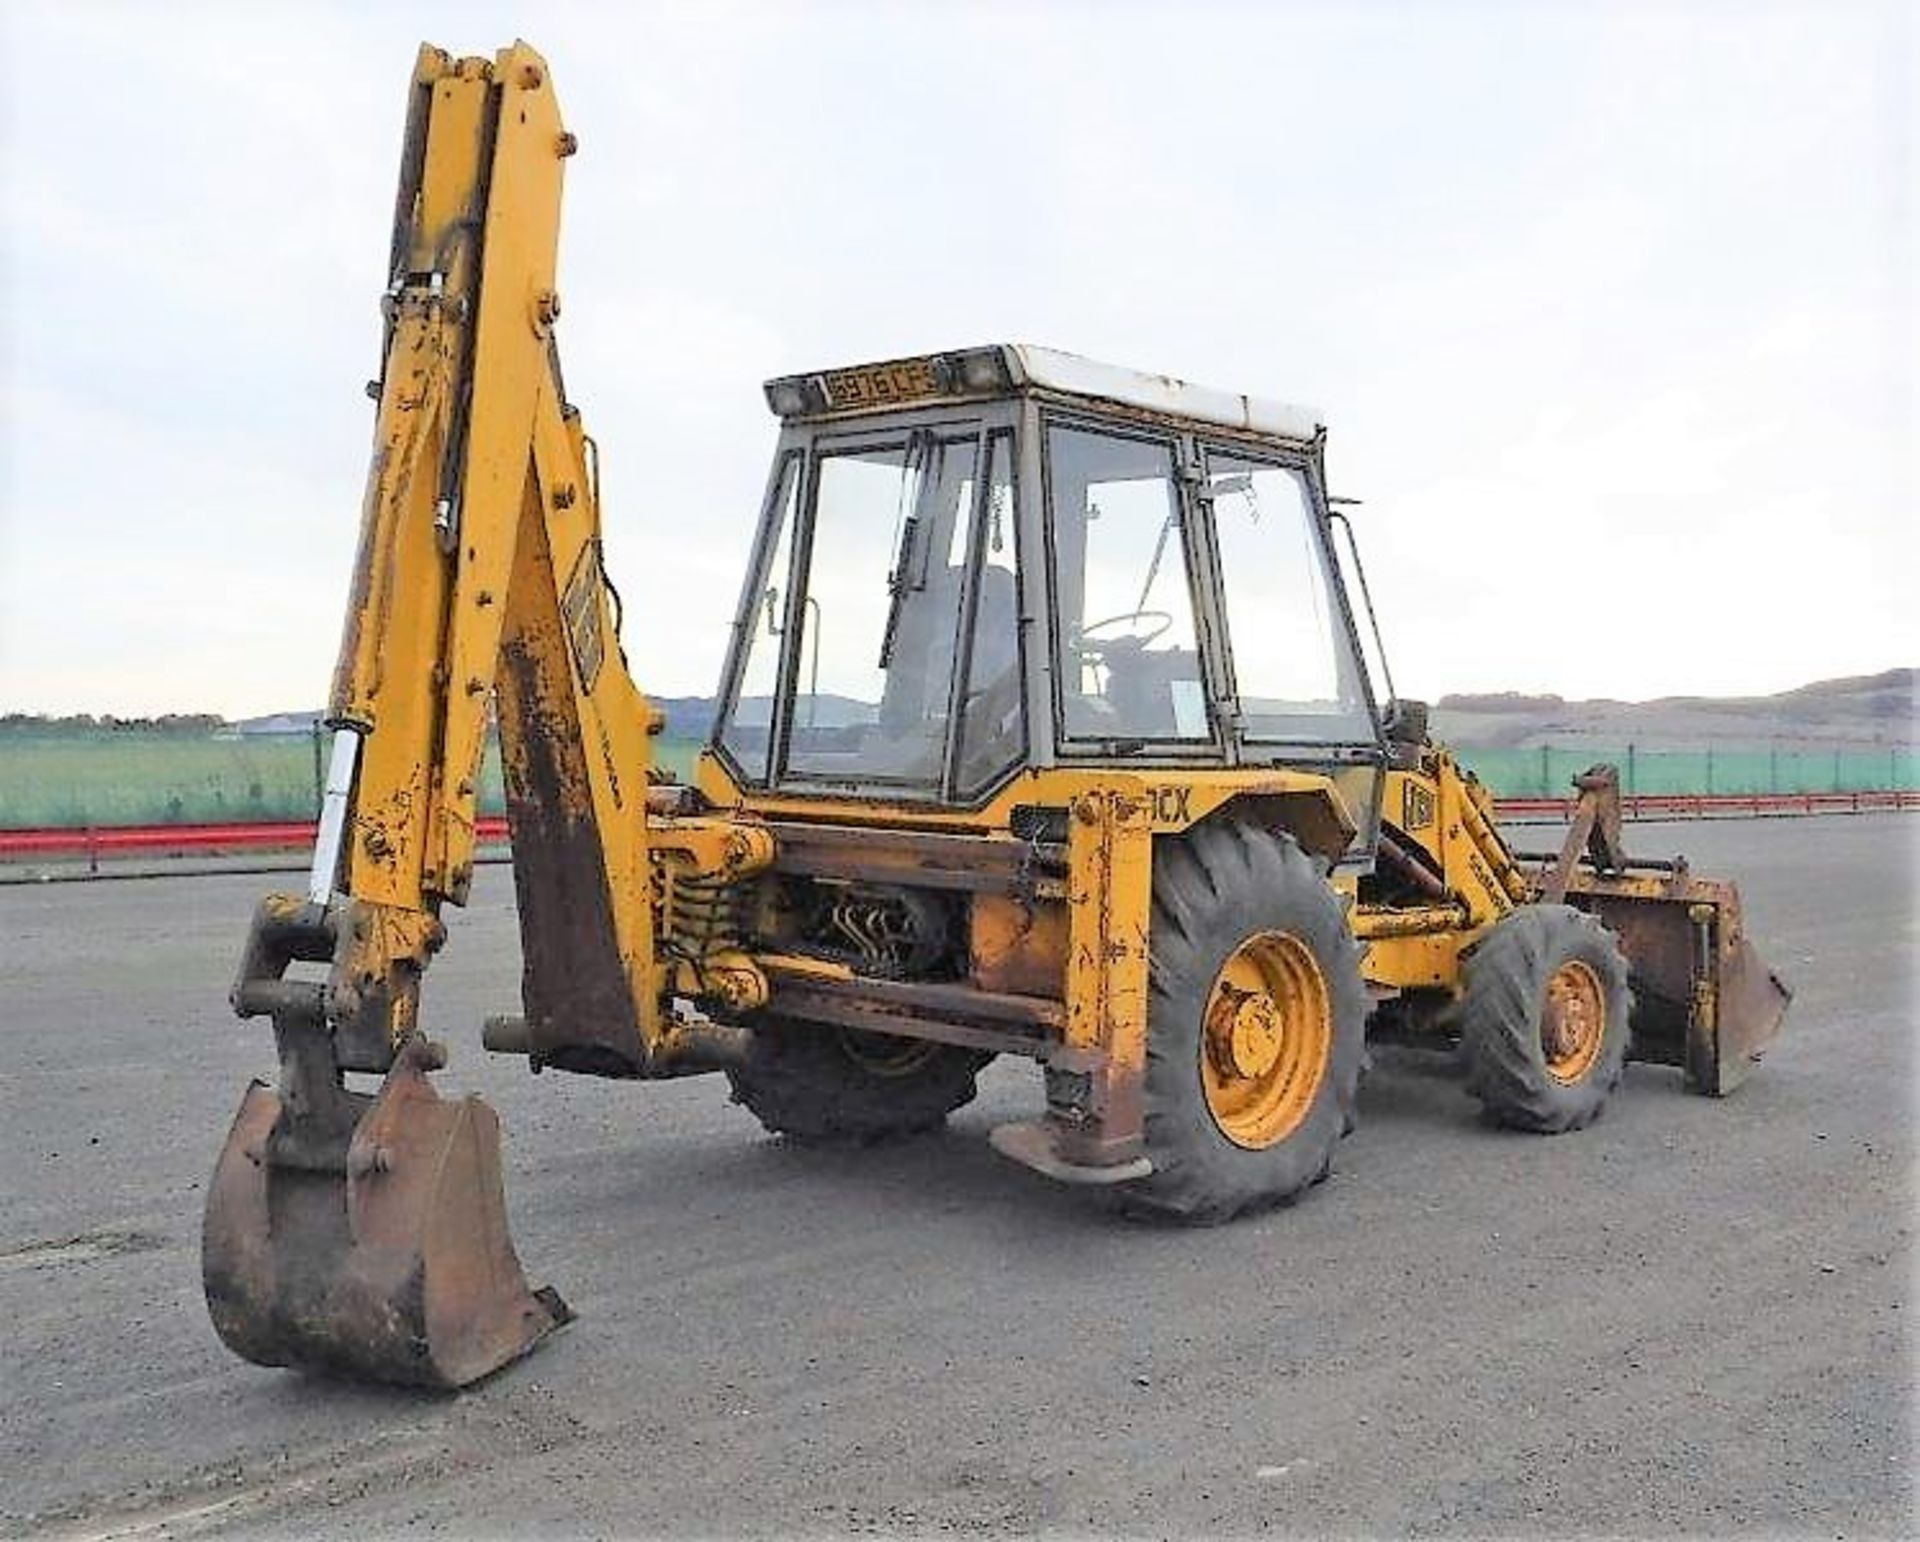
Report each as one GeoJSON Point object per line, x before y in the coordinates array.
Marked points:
{"type": "Point", "coordinates": [1543, 1019]}
{"type": "Point", "coordinates": [1256, 1024]}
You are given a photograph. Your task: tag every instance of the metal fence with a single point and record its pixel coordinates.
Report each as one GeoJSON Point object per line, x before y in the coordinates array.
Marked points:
{"type": "Point", "coordinates": [1548, 770]}
{"type": "Point", "coordinates": [111, 778]}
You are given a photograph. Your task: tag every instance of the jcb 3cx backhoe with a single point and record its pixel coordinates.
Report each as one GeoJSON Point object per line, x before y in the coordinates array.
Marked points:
{"type": "Point", "coordinates": [1046, 730]}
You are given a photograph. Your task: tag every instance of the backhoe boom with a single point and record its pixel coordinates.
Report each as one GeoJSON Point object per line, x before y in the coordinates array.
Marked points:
{"type": "Point", "coordinates": [478, 580]}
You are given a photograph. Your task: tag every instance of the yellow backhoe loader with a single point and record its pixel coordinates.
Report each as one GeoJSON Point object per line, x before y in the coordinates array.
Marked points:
{"type": "Point", "coordinates": [1046, 729]}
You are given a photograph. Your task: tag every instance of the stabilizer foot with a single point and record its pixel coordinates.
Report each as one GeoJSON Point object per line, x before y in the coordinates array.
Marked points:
{"type": "Point", "coordinates": [1030, 1142]}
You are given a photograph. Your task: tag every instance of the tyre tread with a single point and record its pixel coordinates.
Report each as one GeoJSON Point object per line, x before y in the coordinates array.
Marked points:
{"type": "Point", "coordinates": [1500, 1006]}
{"type": "Point", "coordinates": [1225, 880]}
{"type": "Point", "coordinates": [799, 1083]}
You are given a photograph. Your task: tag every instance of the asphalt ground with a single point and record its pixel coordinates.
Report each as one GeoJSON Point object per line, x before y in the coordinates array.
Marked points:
{"type": "Point", "coordinates": [1693, 1317]}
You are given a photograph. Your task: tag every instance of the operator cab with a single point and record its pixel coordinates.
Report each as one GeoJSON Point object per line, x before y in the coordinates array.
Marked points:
{"type": "Point", "coordinates": [1002, 559]}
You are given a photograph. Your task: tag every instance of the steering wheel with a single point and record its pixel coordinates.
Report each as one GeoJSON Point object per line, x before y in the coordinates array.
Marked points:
{"type": "Point", "coordinates": [1157, 620]}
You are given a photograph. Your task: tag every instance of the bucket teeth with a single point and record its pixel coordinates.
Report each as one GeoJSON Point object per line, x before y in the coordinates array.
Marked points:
{"type": "Point", "coordinates": [392, 1263]}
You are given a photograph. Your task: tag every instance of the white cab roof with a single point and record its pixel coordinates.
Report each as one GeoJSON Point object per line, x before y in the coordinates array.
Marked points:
{"type": "Point", "coordinates": [1051, 370]}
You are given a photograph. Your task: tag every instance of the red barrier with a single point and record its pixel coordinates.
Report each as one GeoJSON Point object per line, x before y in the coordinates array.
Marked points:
{"type": "Point", "coordinates": [1691, 805]}
{"type": "Point", "coordinates": [95, 842]}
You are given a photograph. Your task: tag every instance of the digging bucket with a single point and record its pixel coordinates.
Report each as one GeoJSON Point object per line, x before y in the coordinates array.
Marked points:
{"type": "Point", "coordinates": [373, 1246]}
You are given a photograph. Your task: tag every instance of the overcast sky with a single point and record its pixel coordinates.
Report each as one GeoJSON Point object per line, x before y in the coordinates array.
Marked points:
{"type": "Point", "coordinates": [1611, 309]}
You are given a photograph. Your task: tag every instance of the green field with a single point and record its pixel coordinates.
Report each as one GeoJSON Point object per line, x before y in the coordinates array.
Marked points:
{"type": "Point", "coordinates": [115, 777]}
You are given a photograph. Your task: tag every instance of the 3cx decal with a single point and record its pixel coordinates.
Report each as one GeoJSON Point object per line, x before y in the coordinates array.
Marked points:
{"type": "Point", "coordinates": [1170, 805]}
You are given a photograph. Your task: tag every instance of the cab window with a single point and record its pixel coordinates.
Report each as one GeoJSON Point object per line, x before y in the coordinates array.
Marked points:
{"type": "Point", "coordinates": [1128, 663]}
{"type": "Point", "coordinates": [1294, 672]}
{"type": "Point", "coordinates": [885, 578]}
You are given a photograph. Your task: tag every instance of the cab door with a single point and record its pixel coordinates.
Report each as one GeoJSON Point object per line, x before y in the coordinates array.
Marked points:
{"type": "Point", "coordinates": [1295, 683]}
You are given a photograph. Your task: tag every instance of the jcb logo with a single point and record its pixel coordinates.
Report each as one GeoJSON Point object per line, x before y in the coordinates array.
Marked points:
{"type": "Point", "coordinates": [1170, 805]}
{"type": "Point", "coordinates": [1416, 807]}
{"type": "Point", "coordinates": [580, 608]}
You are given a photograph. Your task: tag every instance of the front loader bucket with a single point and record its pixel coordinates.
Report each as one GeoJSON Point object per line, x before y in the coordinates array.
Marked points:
{"type": "Point", "coordinates": [388, 1259]}
{"type": "Point", "coordinates": [1702, 998]}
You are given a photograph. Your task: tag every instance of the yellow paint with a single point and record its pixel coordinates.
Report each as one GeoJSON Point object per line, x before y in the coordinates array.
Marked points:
{"type": "Point", "coordinates": [1266, 1040]}
{"type": "Point", "coordinates": [799, 966]}
{"type": "Point", "coordinates": [442, 588]}
{"type": "Point", "coordinates": [1416, 963]}
{"type": "Point", "coordinates": [1109, 889]}
{"type": "Point", "coordinates": [1175, 799]}
{"type": "Point", "coordinates": [1573, 1027]}
{"type": "Point", "coordinates": [1369, 922]}
{"type": "Point", "coordinates": [1457, 831]}
{"type": "Point", "coordinates": [1109, 899]}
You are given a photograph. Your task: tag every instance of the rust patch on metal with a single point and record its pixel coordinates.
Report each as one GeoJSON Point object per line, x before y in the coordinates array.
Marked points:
{"type": "Point", "coordinates": [376, 1249]}
{"type": "Point", "coordinates": [1018, 946]}
{"type": "Point", "coordinates": [946, 1015]}
{"type": "Point", "coordinates": [1702, 997]}
{"type": "Point", "coordinates": [984, 864]}
{"type": "Point", "coordinates": [579, 1010]}
{"type": "Point", "coordinates": [1594, 833]}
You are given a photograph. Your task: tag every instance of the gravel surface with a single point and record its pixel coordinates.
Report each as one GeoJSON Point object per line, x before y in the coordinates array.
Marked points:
{"type": "Point", "coordinates": [1692, 1317]}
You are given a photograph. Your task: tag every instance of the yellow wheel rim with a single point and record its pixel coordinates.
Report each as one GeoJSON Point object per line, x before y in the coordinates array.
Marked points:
{"type": "Point", "coordinates": [1574, 1025]}
{"type": "Point", "coordinates": [886, 1054]}
{"type": "Point", "coordinates": [1265, 1040]}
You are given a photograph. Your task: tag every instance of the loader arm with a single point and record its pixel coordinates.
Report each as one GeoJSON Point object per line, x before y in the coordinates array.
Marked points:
{"type": "Point", "coordinates": [1702, 997]}
{"type": "Point", "coordinates": [367, 1233]}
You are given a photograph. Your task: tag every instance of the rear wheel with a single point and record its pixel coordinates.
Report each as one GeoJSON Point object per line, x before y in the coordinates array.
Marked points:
{"type": "Point", "coordinates": [1543, 1019]}
{"type": "Point", "coordinates": [1256, 1024]}
{"type": "Point", "coordinates": [815, 1083]}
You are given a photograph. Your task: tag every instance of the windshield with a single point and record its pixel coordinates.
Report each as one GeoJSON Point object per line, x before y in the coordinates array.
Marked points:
{"type": "Point", "coordinates": [892, 534]}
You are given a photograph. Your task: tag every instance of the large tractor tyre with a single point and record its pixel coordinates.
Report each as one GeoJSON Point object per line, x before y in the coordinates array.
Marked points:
{"type": "Point", "coordinates": [817, 1084]}
{"type": "Point", "coordinates": [1256, 1025]}
{"type": "Point", "coordinates": [1543, 1019]}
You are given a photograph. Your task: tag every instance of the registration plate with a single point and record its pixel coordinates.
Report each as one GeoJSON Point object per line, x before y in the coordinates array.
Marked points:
{"type": "Point", "coordinates": [881, 385]}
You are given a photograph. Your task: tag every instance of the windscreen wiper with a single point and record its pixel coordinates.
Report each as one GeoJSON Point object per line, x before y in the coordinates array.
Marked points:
{"type": "Point", "coordinates": [899, 583]}
{"type": "Point", "coordinates": [902, 580]}
{"type": "Point", "coordinates": [1153, 567]}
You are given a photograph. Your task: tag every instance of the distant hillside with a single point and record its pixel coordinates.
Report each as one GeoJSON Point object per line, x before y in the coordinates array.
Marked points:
{"type": "Point", "coordinates": [688, 717]}
{"type": "Point", "coordinates": [691, 717]}
{"type": "Point", "coordinates": [1862, 708]}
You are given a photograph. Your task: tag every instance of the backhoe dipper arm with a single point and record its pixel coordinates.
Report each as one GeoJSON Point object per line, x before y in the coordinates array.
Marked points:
{"type": "Point", "coordinates": [479, 562]}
